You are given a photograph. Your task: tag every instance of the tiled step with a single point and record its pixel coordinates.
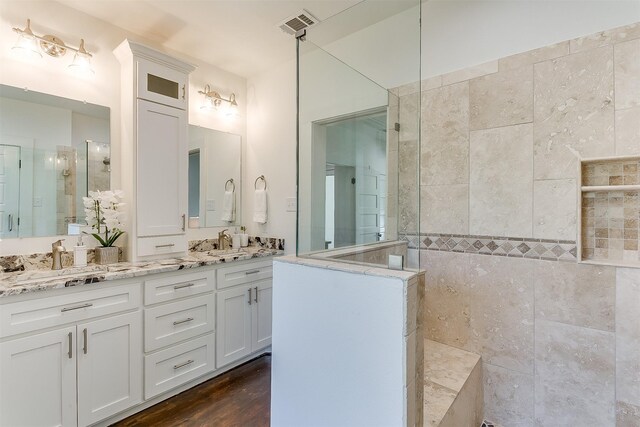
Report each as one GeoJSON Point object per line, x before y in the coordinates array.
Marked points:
{"type": "Point", "coordinates": [452, 387]}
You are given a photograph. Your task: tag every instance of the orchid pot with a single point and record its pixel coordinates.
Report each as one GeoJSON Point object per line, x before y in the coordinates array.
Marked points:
{"type": "Point", "coordinates": [104, 210]}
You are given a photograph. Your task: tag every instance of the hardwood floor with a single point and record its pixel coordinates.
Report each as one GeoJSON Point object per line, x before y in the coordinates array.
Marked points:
{"type": "Point", "coordinates": [240, 397]}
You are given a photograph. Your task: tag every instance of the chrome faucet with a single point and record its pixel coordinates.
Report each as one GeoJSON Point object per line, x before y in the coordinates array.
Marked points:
{"type": "Point", "coordinates": [56, 251]}
{"type": "Point", "coordinates": [224, 239]}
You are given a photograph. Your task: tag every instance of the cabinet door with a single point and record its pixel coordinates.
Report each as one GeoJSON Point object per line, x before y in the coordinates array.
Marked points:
{"type": "Point", "coordinates": [261, 315]}
{"type": "Point", "coordinates": [109, 366]}
{"type": "Point", "coordinates": [38, 380]}
{"type": "Point", "coordinates": [162, 158]}
{"type": "Point", "coordinates": [233, 317]}
{"type": "Point", "coordinates": [161, 84]}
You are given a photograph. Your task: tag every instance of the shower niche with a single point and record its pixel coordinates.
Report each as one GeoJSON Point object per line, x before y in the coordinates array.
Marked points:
{"type": "Point", "coordinates": [609, 203]}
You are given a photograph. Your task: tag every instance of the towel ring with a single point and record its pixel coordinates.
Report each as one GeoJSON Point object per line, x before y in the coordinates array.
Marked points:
{"type": "Point", "coordinates": [261, 177]}
{"type": "Point", "coordinates": [233, 185]}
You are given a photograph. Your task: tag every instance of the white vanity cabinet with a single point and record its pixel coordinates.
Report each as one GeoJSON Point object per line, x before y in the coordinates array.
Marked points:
{"type": "Point", "coordinates": [155, 150]}
{"type": "Point", "coordinates": [76, 374]}
{"type": "Point", "coordinates": [95, 354]}
{"type": "Point", "coordinates": [179, 329]}
{"type": "Point", "coordinates": [243, 310]}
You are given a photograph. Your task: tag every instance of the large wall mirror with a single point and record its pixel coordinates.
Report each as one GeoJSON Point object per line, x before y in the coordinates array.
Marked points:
{"type": "Point", "coordinates": [53, 151]}
{"type": "Point", "coordinates": [214, 178]}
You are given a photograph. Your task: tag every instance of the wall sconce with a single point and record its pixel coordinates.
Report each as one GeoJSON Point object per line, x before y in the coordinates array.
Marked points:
{"type": "Point", "coordinates": [213, 100]}
{"type": "Point", "coordinates": [31, 45]}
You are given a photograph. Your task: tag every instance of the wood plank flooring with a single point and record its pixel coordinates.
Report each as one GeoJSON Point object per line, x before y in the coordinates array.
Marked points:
{"type": "Point", "coordinates": [240, 397]}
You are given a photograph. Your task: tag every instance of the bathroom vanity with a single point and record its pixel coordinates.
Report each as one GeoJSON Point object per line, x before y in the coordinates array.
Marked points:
{"type": "Point", "coordinates": [93, 345]}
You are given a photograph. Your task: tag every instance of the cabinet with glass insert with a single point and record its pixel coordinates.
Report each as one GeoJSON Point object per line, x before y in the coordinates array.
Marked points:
{"type": "Point", "coordinates": [610, 211]}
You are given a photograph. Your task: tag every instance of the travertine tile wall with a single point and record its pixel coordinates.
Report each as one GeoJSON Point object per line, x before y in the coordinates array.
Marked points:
{"type": "Point", "coordinates": [560, 341]}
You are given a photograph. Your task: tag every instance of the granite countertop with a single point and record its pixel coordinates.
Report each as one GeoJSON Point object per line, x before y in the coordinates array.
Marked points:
{"type": "Point", "coordinates": [21, 282]}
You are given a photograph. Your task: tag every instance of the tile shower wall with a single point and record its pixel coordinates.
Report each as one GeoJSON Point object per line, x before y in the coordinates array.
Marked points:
{"type": "Point", "coordinates": [560, 341]}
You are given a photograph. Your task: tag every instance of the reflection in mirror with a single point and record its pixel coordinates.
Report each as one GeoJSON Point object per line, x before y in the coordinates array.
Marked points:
{"type": "Point", "coordinates": [356, 179]}
{"type": "Point", "coordinates": [52, 152]}
{"type": "Point", "coordinates": [214, 178]}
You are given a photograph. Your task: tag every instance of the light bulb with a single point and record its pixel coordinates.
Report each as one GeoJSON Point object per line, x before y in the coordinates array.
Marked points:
{"type": "Point", "coordinates": [81, 64]}
{"type": "Point", "coordinates": [27, 44]}
{"type": "Point", "coordinates": [209, 104]}
{"type": "Point", "coordinates": [232, 110]}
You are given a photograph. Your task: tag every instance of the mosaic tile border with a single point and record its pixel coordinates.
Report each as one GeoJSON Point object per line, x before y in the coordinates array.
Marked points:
{"type": "Point", "coordinates": [516, 247]}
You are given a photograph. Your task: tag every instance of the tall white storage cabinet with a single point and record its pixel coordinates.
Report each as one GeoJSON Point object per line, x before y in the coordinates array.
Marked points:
{"type": "Point", "coordinates": [155, 92]}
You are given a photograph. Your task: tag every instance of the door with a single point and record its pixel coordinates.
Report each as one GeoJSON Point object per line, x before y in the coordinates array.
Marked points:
{"type": "Point", "coordinates": [109, 366]}
{"type": "Point", "coordinates": [261, 315]}
{"type": "Point", "coordinates": [344, 218]}
{"type": "Point", "coordinates": [233, 317]}
{"type": "Point", "coordinates": [162, 170]}
{"type": "Point", "coordinates": [9, 190]}
{"type": "Point", "coordinates": [369, 190]}
{"type": "Point", "coordinates": [38, 380]}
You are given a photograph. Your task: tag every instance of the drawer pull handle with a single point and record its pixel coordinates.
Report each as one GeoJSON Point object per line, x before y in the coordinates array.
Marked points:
{"type": "Point", "coordinates": [184, 222]}
{"type": "Point", "coordinates": [70, 345]}
{"type": "Point", "coordinates": [180, 365]}
{"type": "Point", "coordinates": [86, 346]}
{"type": "Point", "coordinates": [186, 285]}
{"type": "Point", "coordinates": [256, 300]}
{"type": "Point", "coordinates": [252, 272]}
{"type": "Point", "coordinates": [77, 307]}
{"type": "Point", "coordinates": [179, 322]}
{"type": "Point", "coordinates": [168, 245]}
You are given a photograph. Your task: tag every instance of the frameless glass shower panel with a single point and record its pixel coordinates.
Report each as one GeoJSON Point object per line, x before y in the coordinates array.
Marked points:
{"type": "Point", "coordinates": [357, 156]}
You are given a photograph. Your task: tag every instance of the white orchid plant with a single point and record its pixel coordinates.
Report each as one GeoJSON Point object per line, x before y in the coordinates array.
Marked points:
{"type": "Point", "coordinates": [104, 210]}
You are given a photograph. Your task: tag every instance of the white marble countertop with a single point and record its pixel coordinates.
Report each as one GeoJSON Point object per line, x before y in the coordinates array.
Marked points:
{"type": "Point", "coordinates": [21, 282]}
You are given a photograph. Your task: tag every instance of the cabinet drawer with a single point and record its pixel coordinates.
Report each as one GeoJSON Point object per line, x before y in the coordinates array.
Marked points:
{"type": "Point", "coordinates": [244, 273]}
{"type": "Point", "coordinates": [177, 365]}
{"type": "Point", "coordinates": [161, 84]}
{"type": "Point", "coordinates": [177, 321]}
{"type": "Point", "coordinates": [161, 245]}
{"type": "Point", "coordinates": [179, 286]}
{"type": "Point", "coordinates": [43, 313]}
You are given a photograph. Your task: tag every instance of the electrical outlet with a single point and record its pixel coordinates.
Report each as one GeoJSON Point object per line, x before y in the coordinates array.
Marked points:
{"type": "Point", "coordinates": [292, 204]}
{"type": "Point", "coordinates": [211, 205]}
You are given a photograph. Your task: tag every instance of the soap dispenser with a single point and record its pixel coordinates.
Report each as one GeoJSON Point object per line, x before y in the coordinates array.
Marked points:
{"type": "Point", "coordinates": [80, 254]}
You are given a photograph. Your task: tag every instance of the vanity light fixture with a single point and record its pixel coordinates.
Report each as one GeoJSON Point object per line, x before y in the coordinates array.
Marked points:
{"type": "Point", "coordinates": [213, 100]}
{"type": "Point", "coordinates": [32, 44]}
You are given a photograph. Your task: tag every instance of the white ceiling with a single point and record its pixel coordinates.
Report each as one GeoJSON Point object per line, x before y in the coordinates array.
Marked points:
{"type": "Point", "coordinates": [239, 36]}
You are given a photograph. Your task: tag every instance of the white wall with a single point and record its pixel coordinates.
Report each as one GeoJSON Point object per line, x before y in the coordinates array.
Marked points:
{"type": "Point", "coordinates": [328, 331]}
{"type": "Point", "coordinates": [271, 150]}
{"type": "Point", "coordinates": [49, 75]}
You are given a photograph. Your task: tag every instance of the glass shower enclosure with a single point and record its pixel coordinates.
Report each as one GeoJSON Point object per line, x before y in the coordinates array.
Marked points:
{"type": "Point", "coordinates": [359, 134]}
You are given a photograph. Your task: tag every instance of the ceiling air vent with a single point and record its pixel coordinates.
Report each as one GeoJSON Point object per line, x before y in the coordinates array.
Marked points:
{"type": "Point", "coordinates": [298, 22]}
